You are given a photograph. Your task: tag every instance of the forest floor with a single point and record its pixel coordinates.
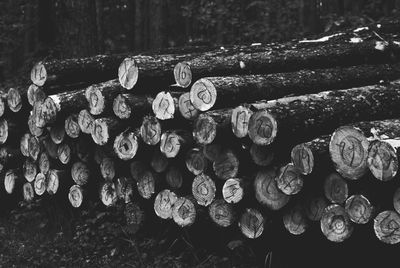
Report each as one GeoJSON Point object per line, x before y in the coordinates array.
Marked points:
{"type": "Point", "coordinates": [36, 236]}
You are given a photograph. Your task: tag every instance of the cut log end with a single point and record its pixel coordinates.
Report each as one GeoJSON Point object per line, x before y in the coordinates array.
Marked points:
{"type": "Point", "coordinates": [195, 161]}
{"type": "Point", "coordinates": [33, 129]}
{"type": "Point", "coordinates": [295, 220]}
{"type": "Point", "coordinates": [382, 160]}
{"type": "Point", "coordinates": [10, 180]}
{"type": "Point", "coordinates": [2, 107]}
{"type": "Point", "coordinates": [349, 150]}
{"type": "Point", "coordinates": [174, 177]}
{"type": "Point", "coordinates": [146, 185]}
{"type": "Point", "coordinates": [251, 223]}
{"type": "Point", "coordinates": [80, 173]}
{"type": "Point", "coordinates": [263, 128]}
{"type": "Point", "coordinates": [163, 106]}
{"type": "Point", "coordinates": [14, 100]}
{"type": "Point", "coordinates": [359, 209]}
{"type": "Point", "coordinates": [163, 204]}
{"type": "Point", "coordinates": [303, 159]}
{"type": "Point", "coordinates": [71, 126]}
{"type": "Point", "coordinates": [39, 74]}
{"type": "Point", "coordinates": [159, 162]}
{"type": "Point", "coordinates": [261, 155]}
{"type": "Point", "coordinates": [30, 170]}
{"type": "Point", "coordinates": [53, 181]}
{"type": "Point", "coordinates": [64, 153]}
{"type": "Point", "coordinates": [233, 191]}
{"type": "Point", "coordinates": [35, 94]}
{"type": "Point", "coordinates": [203, 95]}
{"type": "Point", "coordinates": [203, 190]}
{"type": "Point", "coordinates": [336, 189]}
{"type": "Point", "coordinates": [184, 212]}
{"type": "Point", "coordinates": [75, 196]}
{"type": "Point", "coordinates": [34, 147]}
{"type": "Point", "coordinates": [226, 166]}
{"type": "Point", "coordinates": [204, 129]}
{"type": "Point", "coordinates": [222, 213]}
{"type": "Point", "coordinates": [107, 168]}
{"type": "Point", "coordinates": [3, 131]}
{"type": "Point", "coordinates": [183, 74]}
{"type": "Point", "coordinates": [95, 99]}
{"type": "Point", "coordinates": [150, 130]}
{"type": "Point", "coordinates": [186, 108]}
{"type": "Point", "coordinates": [289, 180]}
{"type": "Point", "coordinates": [47, 113]}
{"type": "Point", "coordinates": [85, 121]}
{"type": "Point", "coordinates": [57, 133]}
{"type": "Point", "coordinates": [24, 144]}
{"type": "Point", "coordinates": [240, 121]}
{"type": "Point", "coordinates": [170, 144]}
{"type": "Point", "coordinates": [387, 227]}
{"type": "Point", "coordinates": [128, 73]}
{"type": "Point", "coordinates": [336, 224]}
{"type": "Point", "coordinates": [126, 145]}
{"type": "Point", "coordinates": [267, 192]}
{"type": "Point", "coordinates": [40, 184]}
{"type": "Point", "coordinates": [100, 133]}
{"type": "Point", "coordinates": [44, 163]}
{"type": "Point", "coordinates": [28, 192]}
{"type": "Point", "coordinates": [108, 194]}
{"type": "Point", "coordinates": [315, 208]}
{"type": "Point", "coordinates": [121, 108]}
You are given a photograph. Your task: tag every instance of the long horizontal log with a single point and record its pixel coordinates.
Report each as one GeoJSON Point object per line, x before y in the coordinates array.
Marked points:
{"type": "Point", "coordinates": [220, 92]}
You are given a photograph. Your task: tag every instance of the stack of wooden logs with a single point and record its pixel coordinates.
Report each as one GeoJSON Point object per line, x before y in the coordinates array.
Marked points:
{"type": "Point", "coordinates": [309, 128]}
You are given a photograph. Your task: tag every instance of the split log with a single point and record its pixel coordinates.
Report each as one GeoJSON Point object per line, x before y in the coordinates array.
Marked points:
{"type": "Point", "coordinates": [383, 158]}
{"type": "Point", "coordinates": [80, 173]}
{"type": "Point", "coordinates": [226, 165]}
{"type": "Point", "coordinates": [386, 227]}
{"type": "Point", "coordinates": [70, 71]}
{"type": "Point", "coordinates": [24, 144]}
{"type": "Point", "coordinates": [336, 189]}
{"type": "Point", "coordinates": [104, 129]}
{"type": "Point", "coordinates": [134, 216]}
{"type": "Point", "coordinates": [107, 169]}
{"type": "Point", "coordinates": [124, 189]}
{"type": "Point", "coordinates": [172, 142]}
{"type": "Point", "coordinates": [336, 224]}
{"type": "Point", "coordinates": [289, 181]}
{"type": "Point", "coordinates": [100, 96]}
{"type": "Point", "coordinates": [30, 170]}
{"type": "Point", "coordinates": [126, 144]}
{"type": "Point", "coordinates": [295, 220]}
{"type": "Point", "coordinates": [35, 94]}
{"type": "Point", "coordinates": [359, 209]}
{"type": "Point", "coordinates": [40, 184]}
{"type": "Point", "coordinates": [233, 190]}
{"type": "Point", "coordinates": [163, 204]}
{"type": "Point", "coordinates": [195, 161]}
{"type": "Point", "coordinates": [128, 105]}
{"type": "Point", "coordinates": [71, 126]}
{"type": "Point", "coordinates": [222, 213]}
{"type": "Point", "coordinates": [28, 192]}
{"type": "Point", "coordinates": [174, 177]}
{"type": "Point", "coordinates": [203, 190]}
{"type": "Point", "coordinates": [146, 184]}
{"type": "Point", "coordinates": [76, 196]}
{"type": "Point", "coordinates": [186, 108]}
{"type": "Point", "coordinates": [184, 212]}
{"type": "Point", "coordinates": [251, 223]}
{"type": "Point", "coordinates": [262, 155]}
{"type": "Point", "coordinates": [159, 162]}
{"type": "Point", "coordinates": [165, 104]}
{"type": "Point", "coordinates": [12, 180]}
{"type": "Point", "coordinates": [315, 208]}
{"type": "Point", "coordinates": [64, 153]}
{"type": "Point", "coordinates": [150, 130]}
{"type": "Point", "coordinates": [55, 178]}
{"type": "Point", "coordinates": [108, 193]}
{"type": "Point", "coordinates": [267, 192]}
{"type": "Point", "coordinates": [85, 121]}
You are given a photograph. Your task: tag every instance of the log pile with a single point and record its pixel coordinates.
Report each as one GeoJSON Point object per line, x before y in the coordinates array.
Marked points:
{"type": "Point", "coordinates": [310, 128]}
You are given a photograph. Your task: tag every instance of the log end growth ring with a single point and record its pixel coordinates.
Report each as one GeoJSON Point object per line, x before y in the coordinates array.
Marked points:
{"type": "Point", "coordinates": [163, 204]}
{"type": "Point", "coordinates": [186, 108]}
{"type": "Point", "coordinates": [14, 100]}
{"type": "Point", "coordinates": [40, 184]}
{"type": "Point", "coordinates": [204, 129]}
{"type": "Point", "coordinates": [240, 121]}
{"type": "Point", "coordinates": [163, 106]}
{"type": "Point", "coordinates": [128, 73]}
{"type": "Point", "coordinates": [232, 191]}
{"type": "Point", "coordinates": [126, 145]}
{"type": "Point", "coordinates": [289, 180]}
{"type": "Point", "coordinates": [95, 100]}
{"type": "Point", "coordinates": [336, 224]}
{"type": "Point", "coordinates": [75, 196]}
{"type": "Point", "coordinates": [183, 74]}
{"type": "Point", "coordinates": [121, 108]}
{"type": "Point", "coordinates": [263, 128]}
{"type": "Point", "coordinates": [221, 213]}
{"type": "Point", "coordinates": [359, 209]}
{"type": "Point", "coordinates": [150, 130]}
{"type": "Point", "coordinates": [100, 133]}
{"type": "Point", "coordinates": [3, 131]}
{"type": "Point", "coordinates": [203, 190]}
{"type": "Point", "coordinates": [382, 160]}
{"type": "Point", "coordinates": [387, 227]}
{"type": "Point", "coordinates": [203, 94]}
{"type": "Point", "coordinates": [184, 212]}
{"type": "Point", "coordinates": [251, 223]}
{"type": "Point", "coordinates": [39, 74]}
{"type": "Point", "coordinates": [303, 159]}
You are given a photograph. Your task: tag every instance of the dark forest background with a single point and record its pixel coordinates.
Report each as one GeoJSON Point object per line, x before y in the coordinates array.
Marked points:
{"type": "Point", "coordinates": [35, 29]}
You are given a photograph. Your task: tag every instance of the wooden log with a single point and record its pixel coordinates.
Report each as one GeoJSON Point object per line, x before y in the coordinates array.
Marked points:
{"type": "Point", "coordinates": [396, 200]}
{"type": "Point", "coordinates": [315, 208]}
{"type": "Point", "coordinates": [165, 104]}
{"type": "Point", "coordinates": [159, 162]}
{"type": "Point", "coordinates": [24, 144]}
{"type": "Point", "coordinates": [108, 193]}
{"type": "Point", "coordinates": [233, 190]}
{"type": "Point", "coordinates": [126, 144]}
{"type": "Point", "coordinates": [30, 169]}
{"type": "Point", "coordinates": [336, 189]}
{"type": "Point", "coordinates": [287, 59]}
{"type": "Point", "coordinates": [9, 130]}
{"type": "Point", "coordinates": [226, 165]}
{"type": "Point", "coordinates": [70, 71]}
{"type": "Point", "coordinates": [359, 209]}
{"type": "Point", "coordinates": [64, 153]}
{"type": "Point", "coordinates": [146, 184]}
{"type": "Point", "coordinates": [80, 173]}
{"type": "Point", "coordinates": [267, 192]}
{"type": "Point", "coordinates": [13, 180]}
{"type": "Point", "coordinates": [295, 220]}
{"type": "Point", "coordinates": [240, 121]}
{"type": "Point", "coordinates": [163, 204]}
{"type": "Point", "coordinates": [44, 163]}
{"type": "Point", "coordinates": [186, 108]}
{"type": "Point", "coordinates": [127, 105]}
{"type": "Point", "coordinates": [100, 96]}
{"type": "Point", "coordinates": [289, 181]}
{"type": "Point", "coordinates": [205, 129]}
{"type": "Point", "coordinates": [222, 213]}
{"type": "Point", "coordinates": [3, 107]}
{"type": "Point", "coordinates": [386, 227]}
{"type": "Point", "coordinates": [35, 147]}
{"type": "Point", "coordinates": [383, 158]}
{"type": "Point", "coordinates": [33, 129]}
{"type": "Point", "coordinates": [76, 196]}
{"type": "Point", "coordinates": [71, 126]}
{"type": "Point", "coordinates": [17, 99]}
{"type": "Point", "coordinates": [40, 184]}
{"type": "Point", "coordinates": [28, 192]}
{"type": "Point", "coordinates": [104, 129]}
{"type": "Point", "coordinates": [35, 94]}
{"type": "Point", "coordinates": [107, 169]}
{"type": "Point", "coordinates": [195, 161]}
{"type": "Point", "coordinates": [174, 141]}
{"type": "Point", "coordinates": [85, 121]}
{"type": "Point", "coordinates": [136, 169]}
{"type": "Point", "coordinates": [203, 190]}
{"type": "Point", "coordinates": [336, 224]}
{"type": "Point", "coordinates": [55, 180]}
{"type": "Point", "coordinates": [134, 216]}
{"type": "Point", "coordinates": [184, 212]}
{"type": "Point", "coordinates": [124, 189]}
{"type": "Point", "coordinates": [212, 151]}
{"type": "Point", "coordinates": [150, 130]}
{"type": "Point", "coordinates": [262, 155]}
{"type": "Point", "coordinates": [251, 223]}
{"type": "Point", "coordinates": [174, 177]}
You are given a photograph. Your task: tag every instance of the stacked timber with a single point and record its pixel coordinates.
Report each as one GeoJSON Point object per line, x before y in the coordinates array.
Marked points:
{"type": "Point", "coordinates": [310, 128]}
